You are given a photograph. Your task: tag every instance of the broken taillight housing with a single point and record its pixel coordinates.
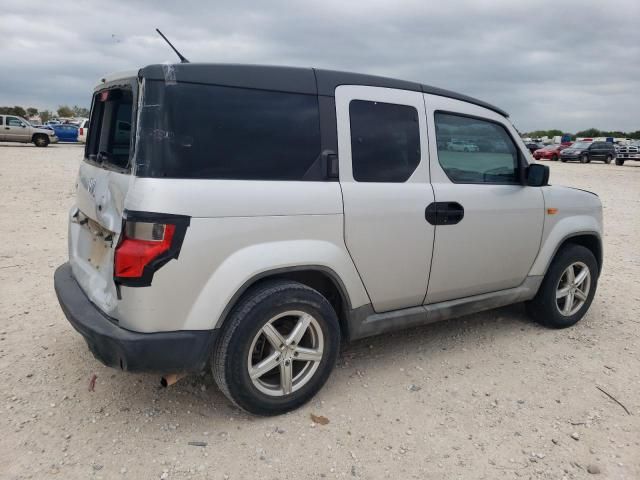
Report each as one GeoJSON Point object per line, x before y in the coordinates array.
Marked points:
{"type": "Point", "coordinates": [141, 244]}
{"type": "Point", "coordinates": [147, 242]}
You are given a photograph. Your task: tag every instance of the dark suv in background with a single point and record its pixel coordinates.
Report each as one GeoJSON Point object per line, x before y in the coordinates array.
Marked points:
{"type": "Point", "coordinates": [587, 151]}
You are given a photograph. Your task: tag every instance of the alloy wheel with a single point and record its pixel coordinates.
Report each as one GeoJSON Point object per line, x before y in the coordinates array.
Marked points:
{"type": "Point", "coordinates": [285, 353]}
{"type": "Point", "coordinates": [573, 288]}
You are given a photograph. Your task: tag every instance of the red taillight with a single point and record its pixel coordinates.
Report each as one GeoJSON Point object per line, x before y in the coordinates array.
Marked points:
{"type": "Point", "coordinates": [81, 131]}
{"type": "Point", "coordinates": [141, 243]}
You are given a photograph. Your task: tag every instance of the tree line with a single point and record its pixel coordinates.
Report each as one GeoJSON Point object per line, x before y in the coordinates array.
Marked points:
{"type": "Point", "coordinates": [45, 115]}
{"type": "Point", "coordinates": [589, 133]}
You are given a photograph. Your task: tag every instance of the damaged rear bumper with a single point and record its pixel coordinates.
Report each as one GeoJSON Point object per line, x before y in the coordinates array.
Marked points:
{"type": "Point", "coordinates": [165, 352]}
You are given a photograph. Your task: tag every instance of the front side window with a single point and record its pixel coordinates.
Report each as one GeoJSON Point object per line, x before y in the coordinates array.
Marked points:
{"type": "Point", "coordinates": [14, 122]}
{"type": "Point", "coordinates": [385, 141]}
{"type": "Point", "coordinates": [473, 150]}
{"type": "Point", "coordinates": [215, 132]}
{"type": "Point", "coordinates": [109, 142]}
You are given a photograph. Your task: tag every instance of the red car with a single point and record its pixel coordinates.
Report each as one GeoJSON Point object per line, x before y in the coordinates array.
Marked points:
{"type": "Point", "coordinates": [550, 152]}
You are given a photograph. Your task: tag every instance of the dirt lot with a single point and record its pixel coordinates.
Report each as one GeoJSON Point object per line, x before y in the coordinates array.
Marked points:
{"type": "Point", "coordinates": [486, 396]}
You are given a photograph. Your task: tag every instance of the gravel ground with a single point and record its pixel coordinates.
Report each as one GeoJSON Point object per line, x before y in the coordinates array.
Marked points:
{"type": "Point", "coordinates": [486, 396]}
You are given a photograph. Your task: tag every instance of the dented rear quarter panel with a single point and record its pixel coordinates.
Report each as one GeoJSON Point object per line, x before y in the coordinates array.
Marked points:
{"type": "Point", "coordinates": [238, 230]}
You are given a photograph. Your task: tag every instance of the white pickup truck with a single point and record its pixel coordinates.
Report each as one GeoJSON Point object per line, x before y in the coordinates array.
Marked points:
{"type": "Point", "coordinates": [627, 152]}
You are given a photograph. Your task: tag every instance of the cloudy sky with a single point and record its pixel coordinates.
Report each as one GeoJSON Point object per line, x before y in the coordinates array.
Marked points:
{"type": "Point", "coordinates": [552, 64]}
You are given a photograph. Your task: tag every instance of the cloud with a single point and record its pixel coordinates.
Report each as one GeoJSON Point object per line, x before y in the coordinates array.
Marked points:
{"type": "Point", "coordinates": [568, 65]}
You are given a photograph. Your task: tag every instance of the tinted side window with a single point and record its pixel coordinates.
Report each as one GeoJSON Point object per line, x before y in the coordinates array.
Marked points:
{"type": "Point", "coordinates": [208, 131]}
{"type": "Point", "coordinates": [472, 150]}
{"type": "Point", "coordinates": [1, 120]}
{"type": "Point", "coordinates": [385, 141]}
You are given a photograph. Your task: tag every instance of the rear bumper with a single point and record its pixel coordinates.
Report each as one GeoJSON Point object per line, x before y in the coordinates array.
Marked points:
{"type": "Point", "coordinates": [163, 352]}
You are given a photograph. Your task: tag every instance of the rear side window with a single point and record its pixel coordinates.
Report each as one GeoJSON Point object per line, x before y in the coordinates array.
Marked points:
{"type": "Point", "coordinates": [385, 141]}
{"type": "Point", "coordinates": [474, 150]}
{"type": "Point", "coordinates": [110, 139]}
{"type": "Point", "coordinates": [209, 131]}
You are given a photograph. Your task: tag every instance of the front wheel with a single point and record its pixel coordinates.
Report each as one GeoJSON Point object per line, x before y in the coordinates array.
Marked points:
{"type": "Point", "coordinates": [277, 348]}
{"type": "Point", "coordinates": [584, 159]}
{"type": "Point", "coordinates": [619, 161]}
{"type": "Point", "coordinates": [567, 289]}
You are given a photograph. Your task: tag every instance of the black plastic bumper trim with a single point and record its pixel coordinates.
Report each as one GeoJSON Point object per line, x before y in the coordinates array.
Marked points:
{"type": "Point", "coordinates": [162, 352]}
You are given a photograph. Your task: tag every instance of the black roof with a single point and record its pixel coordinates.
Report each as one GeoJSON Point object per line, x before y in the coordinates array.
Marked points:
{"type": "Point", "coordinates": [290, 79]}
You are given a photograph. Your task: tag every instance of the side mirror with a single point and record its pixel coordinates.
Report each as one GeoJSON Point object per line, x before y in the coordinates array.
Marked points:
{"type": "Point", "coordinates": [23, 125]}
{"type": "Point", "coordinates": [537, 175]}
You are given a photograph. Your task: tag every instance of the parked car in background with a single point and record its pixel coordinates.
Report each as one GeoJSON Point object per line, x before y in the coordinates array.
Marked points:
{"type": "Point", "coordinates": [17, 129]}
{"type": "Point", "coordinates": [83, 131]}
{"type": "Point", "coordinates": [533, 146]}
{"type": "Point", "coordinates": [65, 132]}
{"type": "Point", "coordinates": [550, 152]}
{"type": "Point", "coordinates": [462, 146]}
{"type": "Point", "coordinates": [256, 261]}
{"type": "Point", "coordinates": [587, 151]}
{"type": "Point", "coordinates": [627, 152]}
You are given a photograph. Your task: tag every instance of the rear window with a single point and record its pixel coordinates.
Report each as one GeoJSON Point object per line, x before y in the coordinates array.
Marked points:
{"type": "Point", "coordinates": [207, 131]}
{"type": "Point", "coordinates": [110, 141]}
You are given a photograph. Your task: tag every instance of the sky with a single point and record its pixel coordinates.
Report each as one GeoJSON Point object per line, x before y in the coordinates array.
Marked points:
{"type": "Point", "coordinates": [559, 64]}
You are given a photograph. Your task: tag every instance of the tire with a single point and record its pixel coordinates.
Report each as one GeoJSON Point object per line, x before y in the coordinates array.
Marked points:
{"type": "Point", "coordinates": [554, 158]}
{"type": "Point", "coordinates": [563, 160]}
{"type": "Point", "coordinates": [619, 162]}
{"type": "Point", "coordinates": [608, 159]}
{"type": "Point", "coordinates": [40, 141]}
{"type": "Point", "coordinates": [243, 345]}
{"type": "Point", "coordinates": [584, 159]}
{"type": "Point", "coordinates": [545, 308]}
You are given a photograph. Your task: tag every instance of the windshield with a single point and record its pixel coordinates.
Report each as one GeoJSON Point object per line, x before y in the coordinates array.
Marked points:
{"type": "Point", "coordinates": [580, 145]}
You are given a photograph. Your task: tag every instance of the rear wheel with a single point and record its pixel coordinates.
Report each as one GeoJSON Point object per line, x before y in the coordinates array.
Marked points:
{"type": "Point", "coordinates": [584, 159]}
{"type": "Point", "coordinates": [567, 289]}
{"type": "Point", "coordinates": [40, 141]}
{"type": "Point", "coordinates": [619, 161]}
{"type": "Point", "coordinates": [277, 349]}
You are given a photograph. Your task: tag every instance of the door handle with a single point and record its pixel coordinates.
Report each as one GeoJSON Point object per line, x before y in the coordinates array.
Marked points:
{"type": "Point", "coordinates": [6, 128]}
{"type": "Point", "coordinates": [444, 213]}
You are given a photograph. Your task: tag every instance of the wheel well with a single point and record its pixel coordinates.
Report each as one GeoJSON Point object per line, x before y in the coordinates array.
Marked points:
{"type": "Point", "coordinates": [323, 280]}
{"type": "Point", "coordinates": [36, 135]}
{"type": "Point", "coordinates": [590, 241]}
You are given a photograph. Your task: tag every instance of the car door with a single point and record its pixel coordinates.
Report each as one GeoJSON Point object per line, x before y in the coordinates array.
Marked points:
{"type": "Point", "coordinates": [2, 125]}
{"type": "Point", "coordinates": [488, 225]}
{"type": "Point", "coordinates": [384, 176]}
{"type": "Point", "coordinates": [15, 130]}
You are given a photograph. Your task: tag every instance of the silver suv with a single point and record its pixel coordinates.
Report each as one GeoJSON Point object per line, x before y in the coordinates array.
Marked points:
{"type": "Point", "coordinates": [248, 218]}
{"type": "Point", "coordinates": [17, 129]}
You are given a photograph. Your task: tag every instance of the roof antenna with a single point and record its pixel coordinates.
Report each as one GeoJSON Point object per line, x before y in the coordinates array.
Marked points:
{"type": "Point", "coordinates": [182, 58]}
